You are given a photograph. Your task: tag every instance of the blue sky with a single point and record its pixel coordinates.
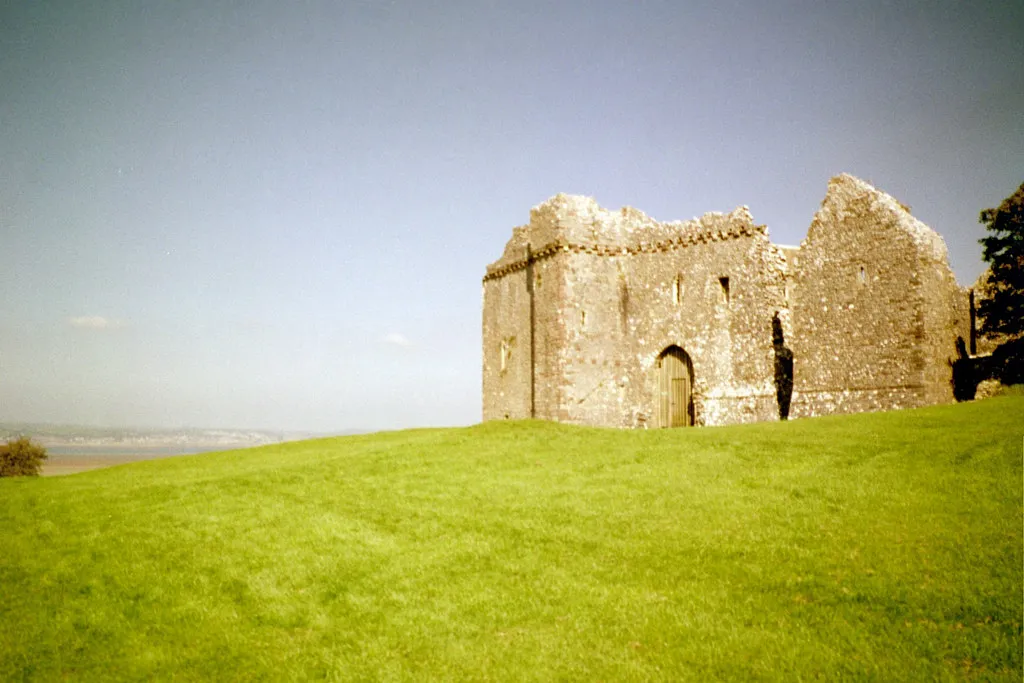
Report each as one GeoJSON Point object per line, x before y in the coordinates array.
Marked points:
{"type": "Point", "coordinates": [277, 214]}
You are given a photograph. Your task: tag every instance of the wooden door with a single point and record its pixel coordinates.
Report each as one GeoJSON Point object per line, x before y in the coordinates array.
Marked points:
{"type": "Point", "coordinates": [675, 380]}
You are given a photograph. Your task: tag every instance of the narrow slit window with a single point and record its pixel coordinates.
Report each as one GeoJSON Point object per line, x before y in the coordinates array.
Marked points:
{"type": "Point", "coordinates": [724, 282]}
{"type": "Point", "coordinates": [862, 275]}
{"type": "Point", "coordinates": [583, 320]}
{"type": "Point", "coordinates": [505, 351]}
{"type": "Point", "coordinates": [677, 290]}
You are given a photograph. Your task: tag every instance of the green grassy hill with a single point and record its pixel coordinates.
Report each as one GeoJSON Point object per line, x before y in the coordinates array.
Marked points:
{"type": "Point", "coordinates": [885, 546]}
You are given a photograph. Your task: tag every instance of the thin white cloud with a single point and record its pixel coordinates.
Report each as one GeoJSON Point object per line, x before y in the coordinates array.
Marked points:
{"type": "Point", "coordinates": [94, 322]}
{"type": "Point", "coordinates": [397, 339]}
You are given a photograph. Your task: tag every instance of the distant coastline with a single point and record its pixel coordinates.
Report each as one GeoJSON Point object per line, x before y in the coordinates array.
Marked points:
{"type": "Point", "coordinates": [77, 448]}
{"type": "Point", "coordinates": [72, 438]}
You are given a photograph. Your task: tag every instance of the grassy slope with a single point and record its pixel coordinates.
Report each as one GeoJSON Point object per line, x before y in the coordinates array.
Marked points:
{"type": "Point", "coordinates": [886, 545]}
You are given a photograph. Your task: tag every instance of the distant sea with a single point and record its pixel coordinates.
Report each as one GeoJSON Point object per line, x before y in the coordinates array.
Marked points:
{"type": "Point", "coordinates": [74, 459]}
{"type": "Point", "coordinates": [134, 451]}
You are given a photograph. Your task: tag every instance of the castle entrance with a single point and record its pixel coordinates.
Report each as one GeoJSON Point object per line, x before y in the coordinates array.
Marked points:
{"type": "Point", "coordinates": [675, 388]}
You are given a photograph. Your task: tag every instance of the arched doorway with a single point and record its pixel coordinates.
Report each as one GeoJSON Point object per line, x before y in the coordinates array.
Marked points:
{"type": "Point", "coordinates": [675, 388]}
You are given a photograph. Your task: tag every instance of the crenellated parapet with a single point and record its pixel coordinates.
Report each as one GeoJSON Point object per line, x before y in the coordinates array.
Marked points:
{"type": "Point", "coordinates": [577, 224]}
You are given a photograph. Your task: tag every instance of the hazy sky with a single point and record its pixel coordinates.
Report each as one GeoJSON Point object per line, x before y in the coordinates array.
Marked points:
{"type": "Point", "coordinates": [277, 214]}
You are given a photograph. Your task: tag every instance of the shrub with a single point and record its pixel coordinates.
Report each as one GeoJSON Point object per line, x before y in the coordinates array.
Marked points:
{"type": "Point", "coordinates": [1008, 362]}
{"type": "Point", "coordinates": [21, 458]}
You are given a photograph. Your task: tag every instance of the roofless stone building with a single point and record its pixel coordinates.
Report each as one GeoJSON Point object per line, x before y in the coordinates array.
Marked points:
{"type": "Point", "coordinates": [614, 319]}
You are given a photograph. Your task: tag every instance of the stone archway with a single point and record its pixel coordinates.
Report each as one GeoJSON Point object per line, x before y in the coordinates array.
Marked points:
{"type": "Point", "coordinates": [675, 388]}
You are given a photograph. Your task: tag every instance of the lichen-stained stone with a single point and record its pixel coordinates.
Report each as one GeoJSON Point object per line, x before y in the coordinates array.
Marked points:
{"type": "Point", "coordinates": [584, 302]}
{"type": "Point", "coordinates": [877, 311]}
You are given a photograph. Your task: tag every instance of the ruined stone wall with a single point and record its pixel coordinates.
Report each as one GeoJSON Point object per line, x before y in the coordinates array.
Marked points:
{"type": "Point", "coordinates": [872, 308]}
{"type": "Point", "coordinates": [632, 306]}
{"type": "Point", "coordinates": [614, 289]}
{"type": "Point", "coordinates": [522, 298]}
{"type": "Point", "coordinates": [506, 332]}
{"type": "Point", "coordinates": [864, 315]}
{"type": "Point", "coordinates": [549, 333]}
{"type": "Point", "coordinates": [946, 319]}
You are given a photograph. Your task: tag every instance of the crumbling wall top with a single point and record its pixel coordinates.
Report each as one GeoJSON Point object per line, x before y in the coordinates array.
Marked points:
{"type": "Point", "coordinates": [577, 223]}
{"type": "Point", "coordinates": [849, 196]}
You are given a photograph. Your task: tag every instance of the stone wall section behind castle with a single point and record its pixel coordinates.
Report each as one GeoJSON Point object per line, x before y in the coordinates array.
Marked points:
{"type": "Point", "coordinates": [522, 320]}
{"type": "Point", "coordinates": [506, 331]}
{"type": "Point", "coordinates": [859, 314]}
{"type": "Point", "coordinates": [946, 318]}
{"type": "Point", "coordinates": [598, 372]}
{"type": "Point", "coordinates": [549, 336]}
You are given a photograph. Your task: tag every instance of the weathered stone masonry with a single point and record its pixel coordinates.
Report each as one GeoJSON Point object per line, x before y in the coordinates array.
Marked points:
{"type": "Point", "coordinates": [612, 318]}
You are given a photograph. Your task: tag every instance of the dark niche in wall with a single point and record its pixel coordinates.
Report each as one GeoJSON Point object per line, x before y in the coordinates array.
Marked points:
{"type": "Point", "coordinates": [783, 368]}
{"type": "Point", "coordinates": [965, 374]}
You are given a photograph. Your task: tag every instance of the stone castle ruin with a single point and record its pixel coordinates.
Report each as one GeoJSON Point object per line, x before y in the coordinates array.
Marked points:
{"type": "Point", "coordinates": [614, 319]}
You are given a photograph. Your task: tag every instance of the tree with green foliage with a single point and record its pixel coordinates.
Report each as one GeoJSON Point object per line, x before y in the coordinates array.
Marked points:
{"type": "Point", "coordinates": [1002, 309]}
{"type": "Point", "coordinates": [21, 457]}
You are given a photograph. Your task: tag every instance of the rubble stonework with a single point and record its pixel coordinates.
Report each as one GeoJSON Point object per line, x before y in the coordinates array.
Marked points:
{"type": "Point", "coordinates": [584, 304]}
{"type": "Point", "coordinates": [877, 310]}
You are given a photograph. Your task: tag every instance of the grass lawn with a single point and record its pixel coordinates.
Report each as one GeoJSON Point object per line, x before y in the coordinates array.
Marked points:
{"type": "Point", "coordinates": [883, 546]}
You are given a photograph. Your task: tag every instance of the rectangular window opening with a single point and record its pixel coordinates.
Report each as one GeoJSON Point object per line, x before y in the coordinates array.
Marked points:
{"type": "Point", "coordinates": [724, 282]}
